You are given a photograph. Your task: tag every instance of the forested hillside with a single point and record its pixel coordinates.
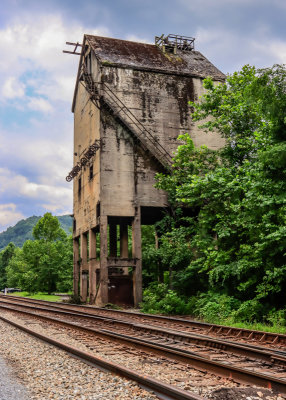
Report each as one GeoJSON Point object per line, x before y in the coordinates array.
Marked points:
{"type": "Point", "coordinates": [22, 231]}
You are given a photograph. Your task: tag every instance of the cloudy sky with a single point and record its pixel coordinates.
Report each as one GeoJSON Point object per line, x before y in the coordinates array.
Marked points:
{"type": "Point", "coordinates": [37, 79]}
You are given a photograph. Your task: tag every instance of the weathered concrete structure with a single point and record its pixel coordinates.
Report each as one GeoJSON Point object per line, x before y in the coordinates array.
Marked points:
{"type": "Point", "coordinates": [130, 105]}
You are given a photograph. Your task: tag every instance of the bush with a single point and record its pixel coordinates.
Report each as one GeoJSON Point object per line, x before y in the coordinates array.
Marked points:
{"type": "Point", "coordinates": [249, 311]}
{"type": "Point", "coordinates": [214, 307]}
{"type": "Point", "coordinates": [277, 318]}
{"type": "Point", "coordinates": [157, 298]}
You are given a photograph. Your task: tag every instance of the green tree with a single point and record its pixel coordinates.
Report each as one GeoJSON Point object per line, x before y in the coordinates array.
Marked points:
{"type": "Point", "coordinates": [20, 274]}
{"type": "Point", "coordinates": [236, 232]}
{"type": "Point", "coordinates": [44, 264]}
{"type": "Point", "coordinates": [48, 229]}
{"type": "Point", "coordinates": [5, 257]}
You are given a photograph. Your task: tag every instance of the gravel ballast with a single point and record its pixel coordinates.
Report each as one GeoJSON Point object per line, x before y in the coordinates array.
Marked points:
{"type": "Point", "coordinates": [10, 387]}
{"type": "Point", "coordinates": [49, 373]}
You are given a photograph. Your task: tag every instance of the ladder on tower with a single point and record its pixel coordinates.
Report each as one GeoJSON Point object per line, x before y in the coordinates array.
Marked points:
{"type": "Point", "coordinates": [101, 94]}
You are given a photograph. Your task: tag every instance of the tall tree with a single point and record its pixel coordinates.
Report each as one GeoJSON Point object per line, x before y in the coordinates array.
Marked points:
{"type": "Point", "coordinates": [48, 229]}
{"type": "Point", "coordinates": [238, 234]}
{"type": "Point", "coordinates": [5, 257]}
{"type": "Point", "coordinates": [44, 264]}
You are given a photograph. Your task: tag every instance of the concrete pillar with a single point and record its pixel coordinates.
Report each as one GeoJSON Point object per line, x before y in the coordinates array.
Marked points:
{"type": "Point", "coordinates": [113, 240]}
{"type": "Point", "coordinates": [92, 266]}
{"type": "Point", "coordinates": [83, 250]}
{"type": "Point", "coordinates": [83, 267]}
{"type": "Point", "coordinates": [123, 240]}
{"type": "Point", "coordinates": [75, 266]}
{"type": "Point", "coordinates": [103, 261]}
{"type": "Point", "coordinates": [124, 244]}
{"type": "Point", "coordinates": [137, 254]}
{"type": "Point", "coordinates": [83, 285]}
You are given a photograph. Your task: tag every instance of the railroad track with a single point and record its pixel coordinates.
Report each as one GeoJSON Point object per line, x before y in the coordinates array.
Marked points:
{"type": "Point", "coordinates": [242, 363]}
{"type": "Point", "coordinates": [149, 333]}
{"type": "Point", "coordinates": [268, 339]}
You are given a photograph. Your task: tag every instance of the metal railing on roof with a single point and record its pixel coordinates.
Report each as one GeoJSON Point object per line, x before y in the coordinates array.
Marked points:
{"type": "Point", "coordinates": [173, 43]}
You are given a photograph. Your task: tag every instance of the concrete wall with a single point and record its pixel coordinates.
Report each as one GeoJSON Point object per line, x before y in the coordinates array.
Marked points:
{"type": "Point", "coordinates": [160, 102]}
{"type": "Point", "coordinates": [86, 131]}
{"type": "Point", "coordinates": [117, 189]}
{"type": "Point", "coordinates": [123, 172]}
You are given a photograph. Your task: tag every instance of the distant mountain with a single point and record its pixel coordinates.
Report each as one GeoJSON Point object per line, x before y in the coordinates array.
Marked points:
{"type": "Point", "coordinates": [22, 231]}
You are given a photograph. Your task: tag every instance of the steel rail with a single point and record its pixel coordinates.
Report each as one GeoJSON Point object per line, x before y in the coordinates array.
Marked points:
{"type": "Point", "coordinates": [241, 375]}
{"type": "Point", "coordinates": [146, 381]}
{"type": "Point", "coordinates": [255, 352]}
{"type": "Point", "coordinates": [243, 333]}
{"type": "Point", "coordinates": [224, 330]}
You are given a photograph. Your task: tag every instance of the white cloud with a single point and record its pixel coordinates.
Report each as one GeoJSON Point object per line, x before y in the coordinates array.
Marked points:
{"type": "Point", "coordinates": [54, 208]}
{"type": "Point", "coordinates": [274, 49]}
{"type": "Point", "coordinates": [135, 38]}
{"type": "Point", "coordinates": [36, 150]}
{"type": "Point", "coordinates": [58, 198]}
{"type": "Point", "coordinates": [13, 88]}
{"type": "Point", "coordinates": [203, 6]}
{"type": "Point", "coordinates": [230, 52]}
{"type": "Point", "coordinates": [9, 215]}
{"type": "Point", "coordinates": [33, 46]}
{"type": "Point", "coordinates": [43, 150]}
{"type": "Point", "coordinates": [39, 104]}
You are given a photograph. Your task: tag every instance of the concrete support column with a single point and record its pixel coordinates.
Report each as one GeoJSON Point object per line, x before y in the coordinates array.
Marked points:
{"type": "Point", "coordinates": [83, 267]}
{"type": "Point", "coordinates": [83, 285]}
{"type": "Point", "coordinates": [103, 261]}
{"type": "Point", "coordinates": [75, 266]}
{"type": "Point", "coordinates": [124, 244]}
{"type": "Point", "coordinates": [92, 266]}
{"type": "Point", "coordinates": [83, 250]}
{"type": "Point", "coordinates": [113, 240]}
{"type": "Point", "coordinates": [137, 254]}
{"type": "Point", "coordinates": [124, 241]}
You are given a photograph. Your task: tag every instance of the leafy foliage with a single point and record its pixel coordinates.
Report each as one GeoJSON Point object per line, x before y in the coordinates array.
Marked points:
{"type": "Point", "coordinates": [5, 257]}
{"type": "Point", "coordinates": [44, 264]}
{"type": "Point", "coordinates": [159, 299]}
{"type": "Point", "coordinates": [233, 241]}
{"type": "Point", "coordinates": [214, 307]}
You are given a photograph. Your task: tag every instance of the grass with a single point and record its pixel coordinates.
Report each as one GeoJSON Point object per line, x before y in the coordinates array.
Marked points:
{"type": "Point", "coordinates": [253, 326]}
{"type": "Point", "coordinates": [257, 326]}
{"type": "Point", "coordinates": [37, 296]}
